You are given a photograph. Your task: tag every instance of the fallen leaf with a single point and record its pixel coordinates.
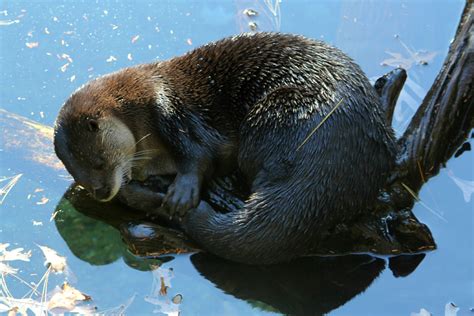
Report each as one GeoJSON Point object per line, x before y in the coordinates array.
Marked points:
{"type": "Point", "coordinates": [43, 201]}
{"type": "Point", "coordinates": [66, 298]}
{"type": "Point", "coordinates": [15, 254]}
{"type": "Point", "coordinates": [423, 312]}
{"type": "Point", "coordinates": [5, 268]}
{"type": "Point", "coordinates": [163, 287]}
{"type": "Point", "coordinates": [177, 299]}
{"type": "Point", "coordinates": [450, 309]}
{"type": "Point", "coordinates": [53, 260]}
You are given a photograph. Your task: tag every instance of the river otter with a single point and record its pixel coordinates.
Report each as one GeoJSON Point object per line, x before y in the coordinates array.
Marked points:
{"type": "Point", "coordinates": [296, 116]}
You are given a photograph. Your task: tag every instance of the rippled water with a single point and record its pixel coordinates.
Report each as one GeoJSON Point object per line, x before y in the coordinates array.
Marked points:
{"type": "Point", "coordinates": [49, 48]}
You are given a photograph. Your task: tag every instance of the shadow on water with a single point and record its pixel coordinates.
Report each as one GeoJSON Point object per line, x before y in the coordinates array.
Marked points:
{"type": "Point", "coordinates": [102, 233]}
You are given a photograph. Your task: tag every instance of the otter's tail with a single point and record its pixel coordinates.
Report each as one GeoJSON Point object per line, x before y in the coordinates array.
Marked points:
{"type": "Point", "coordinates": [267, 230]}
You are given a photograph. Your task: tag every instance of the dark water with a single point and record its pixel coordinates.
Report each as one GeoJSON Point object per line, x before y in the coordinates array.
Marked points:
{"type": "Point", "coordinates": [79, 40]}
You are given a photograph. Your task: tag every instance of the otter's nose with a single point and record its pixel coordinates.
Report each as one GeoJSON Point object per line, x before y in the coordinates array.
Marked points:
{"type": "Point", "coordinates": [101, 193]}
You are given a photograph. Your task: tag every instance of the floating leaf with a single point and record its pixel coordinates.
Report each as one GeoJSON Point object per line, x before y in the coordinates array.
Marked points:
{"type": "Point", "coordinates": [423, 312]}
{"type": "Point", "coordinates": [5, 268]}
{"type": "Point", "coordinates": [414, 57]}
{"type": "Point", "coordinates": [161, 283]}
{"type": "Point", "coordinates": [22, 305]}
{"type": "Point", "coordinates": [53, 260]}
{"type": "Point", "coordinates": [450, 309]}
{"type": "Point", "coordinates": [15, 254]}
{"type": "Point", "coordinates": [43, 201]}
{"type": "Point", "coordinates": [66, 298]}
{"type": "Point", "coordinates": [177, 299]}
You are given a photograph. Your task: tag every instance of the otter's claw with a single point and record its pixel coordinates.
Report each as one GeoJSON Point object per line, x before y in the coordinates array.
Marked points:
{"type": "Point", "coordinates": [182, 195]}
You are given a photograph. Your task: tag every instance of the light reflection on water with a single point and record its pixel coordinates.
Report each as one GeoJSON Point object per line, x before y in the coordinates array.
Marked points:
{"type": "Point", "coordinates": [57, 46]}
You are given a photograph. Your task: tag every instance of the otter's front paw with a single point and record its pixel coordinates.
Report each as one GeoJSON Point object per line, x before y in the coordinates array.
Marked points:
{"type": "Point", "coordinates": [182, 195]}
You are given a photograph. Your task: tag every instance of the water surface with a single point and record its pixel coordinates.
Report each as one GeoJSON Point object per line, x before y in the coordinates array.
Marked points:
{"type": "Point", "coordinates": [49, 48]}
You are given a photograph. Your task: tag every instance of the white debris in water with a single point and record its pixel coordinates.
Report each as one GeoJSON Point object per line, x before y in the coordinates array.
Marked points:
{"type": "Point", "coordinates": [64, 67]}
{"type": "Point", "coordinates": [159, 296]}
{"type": "Point", "coordinates": [53, 259]}
{"type": "Point", "coordinates": [11, 182]}
{"type": "Point", "coordinates": [135, 38]}
{"type": "Point", "coordinates": [111, 59]}
{"type": "Point", "coordinates": [253, 26]}
{"type": "Point", "coordinates": [466, 186]}
{"type": "Point", "coordinates": [250, 12]}
{"type": "Point", "coordinates": [423, 312]}
{"type": "Point", "coordinates": [14, 254]}
{"type": "Point", "coordinates": [450, 309]}
{"type": "Point", "coordinates": [8, 22]}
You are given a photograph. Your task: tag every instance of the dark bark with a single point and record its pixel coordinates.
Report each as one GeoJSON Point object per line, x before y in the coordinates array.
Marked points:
{"type": "Point", "coordinates": [445, 117]}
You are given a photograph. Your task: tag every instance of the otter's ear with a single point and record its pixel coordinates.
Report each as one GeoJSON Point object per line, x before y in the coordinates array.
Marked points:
{"type": "Point", "coordinates": [93, 125]}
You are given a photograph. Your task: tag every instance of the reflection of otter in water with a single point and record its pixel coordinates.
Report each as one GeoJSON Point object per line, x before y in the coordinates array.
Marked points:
{"type": "Point", "coordinates": [297, 117]}
{"type": "Point", "coordinates": [305, 286]}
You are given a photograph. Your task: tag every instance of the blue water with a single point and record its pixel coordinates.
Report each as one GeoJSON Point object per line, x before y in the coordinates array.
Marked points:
{"type": "Point", "coordinates": [80, 40]}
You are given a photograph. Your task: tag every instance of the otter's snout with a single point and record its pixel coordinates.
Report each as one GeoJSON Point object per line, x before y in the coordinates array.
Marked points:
{"type": "Point", "coordinates": [102, 193]}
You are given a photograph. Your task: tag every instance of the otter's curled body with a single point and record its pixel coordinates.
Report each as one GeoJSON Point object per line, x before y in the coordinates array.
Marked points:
{"type": "Point", "coordinates": [251, 101]}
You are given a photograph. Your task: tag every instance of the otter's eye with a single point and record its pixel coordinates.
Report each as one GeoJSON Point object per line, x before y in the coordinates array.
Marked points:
{"type": "Point", "coordinates": [93, 125]}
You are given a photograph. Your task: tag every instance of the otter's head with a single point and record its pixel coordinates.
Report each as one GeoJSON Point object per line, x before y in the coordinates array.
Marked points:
{"type": "Point", "coordinates": [94, 144]}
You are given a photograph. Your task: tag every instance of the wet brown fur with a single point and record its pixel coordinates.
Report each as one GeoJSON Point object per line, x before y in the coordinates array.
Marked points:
{"type": "Point", "coordinates": [252, 100]}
